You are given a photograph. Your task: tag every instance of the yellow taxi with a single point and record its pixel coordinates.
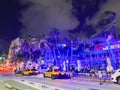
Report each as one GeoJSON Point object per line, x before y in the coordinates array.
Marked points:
{"type": "Point", "coordinates": [30, 72]}
{"type": "Point", "coordinates": [55, 73]}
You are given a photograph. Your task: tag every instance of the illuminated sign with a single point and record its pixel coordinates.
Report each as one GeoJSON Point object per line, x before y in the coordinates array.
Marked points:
{"type": "Point", "coordinates": [111, 47]}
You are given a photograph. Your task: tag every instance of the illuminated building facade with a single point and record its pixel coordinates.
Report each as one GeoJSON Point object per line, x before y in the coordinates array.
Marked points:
{"type": "Point", "coordinates": [99, 54]}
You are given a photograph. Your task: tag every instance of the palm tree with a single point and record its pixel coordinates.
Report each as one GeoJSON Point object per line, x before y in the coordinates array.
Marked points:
{"type": "Point", "coordinates": [54, 40]}
{"type": "Point", "coordinates": [73, 44]}
{"type": "Point", "coordinates": [43, 43]}
{"type": "Point", "coordinates": [105, 23]}
{"type": "Point", "coordinates": [43, 46]}
{"type": "Point", "coordinates": [25, 52]}
{"type": "Point", "coordinates": [84, 40]}
{"type": "Point", "coordinates": [106, 26]}
{"type": "Point", "coordinates": [109, 25]}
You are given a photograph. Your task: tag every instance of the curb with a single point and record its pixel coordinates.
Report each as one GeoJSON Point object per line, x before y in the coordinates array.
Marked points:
{"type": "Point", "coordinates": [90, 79]}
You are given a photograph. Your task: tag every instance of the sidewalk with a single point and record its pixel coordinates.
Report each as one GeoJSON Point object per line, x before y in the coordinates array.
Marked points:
{"type": "Point", "coordinates": [87, 77]}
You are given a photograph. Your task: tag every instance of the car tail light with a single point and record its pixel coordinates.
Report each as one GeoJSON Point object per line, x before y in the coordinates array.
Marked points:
{"type": "Point", "coordinates": [59, 73]}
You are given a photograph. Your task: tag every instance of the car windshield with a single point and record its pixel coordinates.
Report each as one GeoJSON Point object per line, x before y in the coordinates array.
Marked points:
{"type": "Point", "coordinates": [34, 69]}
{"type": "Point", "coordinates": [57, 70]}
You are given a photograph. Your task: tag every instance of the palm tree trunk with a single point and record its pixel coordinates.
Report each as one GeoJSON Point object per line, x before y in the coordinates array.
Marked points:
{"type": "Point", "coordinates": [111, 51]}
{"type": "Point", "coordinates": [55, 61]}
{"type": "Point", "coordinates": [71, 52]}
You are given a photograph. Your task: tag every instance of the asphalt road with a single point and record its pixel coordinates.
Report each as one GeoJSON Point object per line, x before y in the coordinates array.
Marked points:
{"type": "Point", "coordinates": [68, 84]}
{"type": "Point", "coordinates": [2, 87]}
{"type": "Point", "coordinates": [7, 82]}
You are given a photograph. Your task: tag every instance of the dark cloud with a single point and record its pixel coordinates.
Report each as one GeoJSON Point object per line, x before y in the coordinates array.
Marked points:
{"type": "Point", "coordinates": [43, 15]}
{"type": "Point", "coordinates": [86, 9]}
{"type": "Point", "coordinates": [36, 16]}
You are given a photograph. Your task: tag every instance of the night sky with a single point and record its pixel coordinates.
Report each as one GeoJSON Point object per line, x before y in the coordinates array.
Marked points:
{"type": "Point", "coordinates": [9, 22]}
{"type": "Point", "coordinates": [25, 17]}
{"type": "Point", "coordinates": [9, 19]}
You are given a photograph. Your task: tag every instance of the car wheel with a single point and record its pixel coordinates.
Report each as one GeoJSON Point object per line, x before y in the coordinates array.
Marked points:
{"type": "Point", "coordinates": [53, 77]}
{"type": "Point", "coordinates": [23, 74]}
{"type": "Point", "coordinates": [44, 76]}
{"type": "Point", "coordinates": [68, 77]}
{"type": "Point", "coordinates": [29, 74]}
{"type": "Point", "coordinates": [118, 80]}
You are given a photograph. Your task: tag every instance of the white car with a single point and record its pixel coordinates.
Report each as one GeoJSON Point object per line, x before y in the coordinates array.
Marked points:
{"type": "Point", "coordinates": [115, 77]}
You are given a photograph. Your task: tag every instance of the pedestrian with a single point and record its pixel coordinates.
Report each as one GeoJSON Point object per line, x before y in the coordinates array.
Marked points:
{"type": "Point", "coordinates": [104, 74]}
{"type": "Point", "coordinates": [92, 72]}
{"type": "Point", "coordinates": [109, 71]}
{"type": "Point", "coordinates": [100, 76]}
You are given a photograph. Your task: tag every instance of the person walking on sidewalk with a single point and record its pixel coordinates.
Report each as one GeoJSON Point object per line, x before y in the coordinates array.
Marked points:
{"type": "Point", "coordinates": [100, 76]}
{"type": "Point", "coordinates": [72, 71]}
{"type": "Point", "coordinates": [92, 72]}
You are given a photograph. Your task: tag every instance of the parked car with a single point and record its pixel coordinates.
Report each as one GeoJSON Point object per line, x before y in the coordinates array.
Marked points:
{"type": "Point", "coordinates": [18, 72]}
{"type": "Point", "coordinates": [115, 77]}
{"type": "Point", "coordinates": [55, 73]}
{"type": "Point", "coordinates": [30, 72]}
